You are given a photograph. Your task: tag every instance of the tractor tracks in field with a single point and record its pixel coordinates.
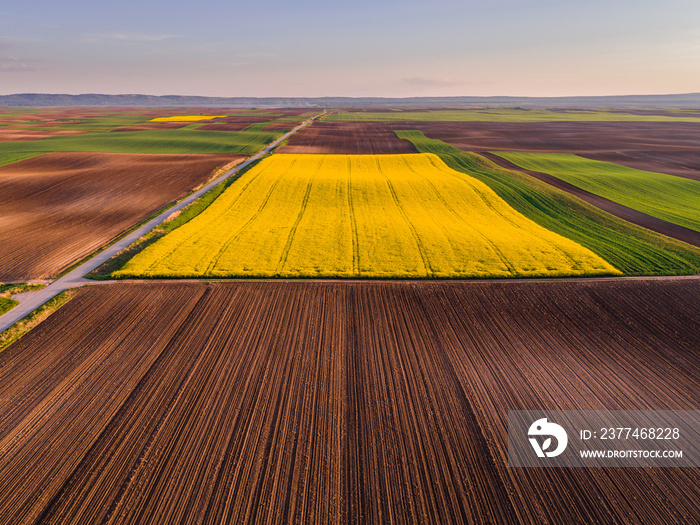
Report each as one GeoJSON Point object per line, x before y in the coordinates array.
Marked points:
{"type": "Point", "coordinates": [342, 402]}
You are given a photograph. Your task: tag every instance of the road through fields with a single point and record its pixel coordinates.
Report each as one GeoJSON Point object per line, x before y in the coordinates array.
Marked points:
{"type": "Point", "coordinates": [75, 277]}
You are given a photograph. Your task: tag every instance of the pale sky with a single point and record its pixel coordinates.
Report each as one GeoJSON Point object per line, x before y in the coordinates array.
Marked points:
{"type": "Point", "coordinates": [387, 48]}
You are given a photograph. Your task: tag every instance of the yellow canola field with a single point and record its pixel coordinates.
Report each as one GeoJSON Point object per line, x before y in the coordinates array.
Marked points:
{"type": "Point", "coordinates": [361, 216]}
{"type": "Point", "coordinates": [185, 118]}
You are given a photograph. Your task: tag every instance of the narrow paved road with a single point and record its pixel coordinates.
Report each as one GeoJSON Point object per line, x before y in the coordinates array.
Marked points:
{"type": "Point", "coordinates": [33, 300]}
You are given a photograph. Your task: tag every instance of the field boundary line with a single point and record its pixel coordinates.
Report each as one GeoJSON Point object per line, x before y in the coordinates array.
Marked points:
{"type": "Point", "coordinates": [406, 280]}
{"type": "Point", "coordinates": [75, 278]}
{"type": "Point", "coordinates": [419, 243]}
{"type": "Point", "coordinates": [300, 215]}
{"type": "Point", "coordinates": [235, 235]}
{"type": "Point", "coordinates": [353, 226]}
{"type": "Point", "coordinates": [455, 214]}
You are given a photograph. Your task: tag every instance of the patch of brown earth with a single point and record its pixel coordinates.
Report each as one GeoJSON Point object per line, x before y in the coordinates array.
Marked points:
{"type": "Point", "coordinates": [348, 138]}
{"type": "Point", "coordinates": [16, 135]}
{"type": "Point", "coordinates": [628, 214]}
{"type": "Point", "coordinates": [665, 147]}
{"type": "Point", "coordinates": [59, 207]}
{"type": "Point", "coordinates": [279, 402]}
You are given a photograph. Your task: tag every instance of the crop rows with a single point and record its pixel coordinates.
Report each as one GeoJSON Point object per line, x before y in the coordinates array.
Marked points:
{"type": "Point", "coordinates": [337, 402]}
{"type": "Point", "coordinates": [58, 207]}
{"type": "Point", "coordinates": [632, 249]}
{"type": "Point", "coordinates": [347, 138]}
{"type": "Point", "coordinates": [361, 215]}
{"type": "Point", "coordinates": [667, 197]}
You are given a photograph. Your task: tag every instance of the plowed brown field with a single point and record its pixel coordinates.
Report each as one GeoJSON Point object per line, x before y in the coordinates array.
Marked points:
{"type": "Point", "coordinates": [276, 402]}
{"type": "Point", "coordinates": [666, 147]}
{"type": "Point", "coordinates": [20, 135]}
{"type": "Point", "coordinates": [347, 138]}
{"type": "Point", "coordinates": [58, 207]}
{"type": "Point", "coordinates": [282, 125]}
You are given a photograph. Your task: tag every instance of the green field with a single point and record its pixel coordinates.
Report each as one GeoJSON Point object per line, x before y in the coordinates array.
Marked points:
{"type": "Point", "coordinates": [372, 216]}
{"type": "Point", "coordinates": [10, 157]}
{"type": "Point", "coordinates": [7, 304]}
{"type": "Point", "coordinates": [7, 290]}
{"type": "Point", "coordinates": [502, 115]}
{"type": "Point", "coordinates": [258, 126]}
{"type": "Point", "coordinates": [150, 141]}
{"type": "Point", "coordinates": [667, 197]}
{"type": "Point", "coordinates": [94, 123]}
{"type": "Point", "coordinates": [630, 248]}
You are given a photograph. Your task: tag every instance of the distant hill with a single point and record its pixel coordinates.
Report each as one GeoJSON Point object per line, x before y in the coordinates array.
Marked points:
{"type": "Point", "coordinates": [687, 100]}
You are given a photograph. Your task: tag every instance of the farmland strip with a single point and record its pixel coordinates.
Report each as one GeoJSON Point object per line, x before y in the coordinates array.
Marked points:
{"type": "Point", "coordinates": [293, 229]}
{"type": "Point", "coordinates": [353, 223]}
{"type": "Point", "coordinates": [631, 248]}
{"type": "Point", "coordinates": [419, 244]}
{"type": "Point", "coordinates": [642, 219]}
{"type": "Point", "coordinates": [236, 233]}
{"type": "Point", "coordinates": [340, 402]}
{"type": "Point", "coordinates": [354, 138]}
{"type": "Point", "coordinates": [412, 232]}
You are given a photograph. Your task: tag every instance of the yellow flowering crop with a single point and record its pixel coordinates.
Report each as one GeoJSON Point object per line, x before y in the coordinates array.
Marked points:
{"type": "Point", "coordinates": [361, 216]}
{"type": "Point", "coordinates": [185, 118]}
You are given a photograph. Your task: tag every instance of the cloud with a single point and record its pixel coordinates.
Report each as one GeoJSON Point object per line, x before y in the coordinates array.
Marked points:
{"type": "Point", "coordinates": [126, 37]}
{"type": "Point", "coordinates": [12, 64]}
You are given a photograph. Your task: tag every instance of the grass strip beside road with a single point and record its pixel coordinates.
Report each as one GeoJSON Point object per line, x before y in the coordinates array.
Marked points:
{"type": "Point", "coordinates": [15, 288]}
{"type": "Point", "coordinates": [21, 327]}
{"type": "Point", "coordinates": [630, 248]}
{"type": "Point", "coordinates": [177, 219]}
{"type": "Point", "coordinates": [7, 303]}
